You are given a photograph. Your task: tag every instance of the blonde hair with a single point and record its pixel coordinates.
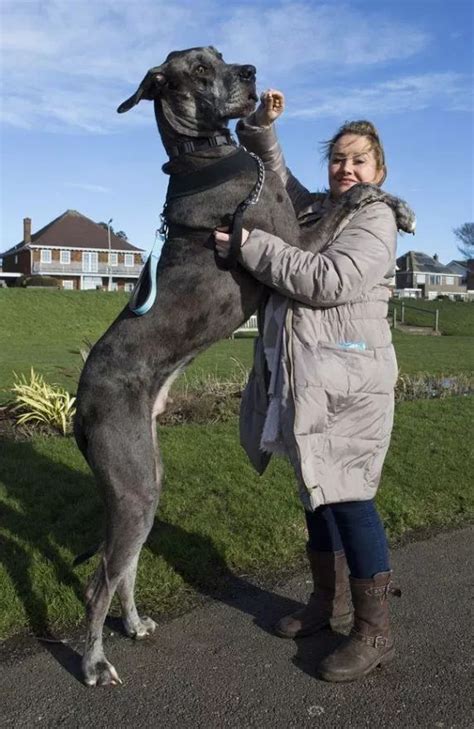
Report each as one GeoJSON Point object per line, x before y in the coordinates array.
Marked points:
{"type": "Point", "coordinates": [362, 128]}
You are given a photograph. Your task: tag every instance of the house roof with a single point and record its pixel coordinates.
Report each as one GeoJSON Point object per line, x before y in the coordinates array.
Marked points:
{"type": "Point", "coordinates": [74, 230]}
{"type": "Point", "coordinates": [421, 262]}
{"type": "Point", "coordinates": [460, 267]}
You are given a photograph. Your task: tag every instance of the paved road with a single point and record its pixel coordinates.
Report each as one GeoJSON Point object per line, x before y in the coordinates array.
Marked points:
{"type": "Point", "coordinates": [219, 666]}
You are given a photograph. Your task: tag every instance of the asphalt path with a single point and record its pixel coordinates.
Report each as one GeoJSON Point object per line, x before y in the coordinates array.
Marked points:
{"type": "Point", "coordinates": [220, 666]}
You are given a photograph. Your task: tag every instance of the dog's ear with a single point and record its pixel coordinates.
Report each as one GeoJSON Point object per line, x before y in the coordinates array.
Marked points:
{"type": "Point", "coordinates": [149, 89]}
{"type": "Point", "coordinates": [216, 52]}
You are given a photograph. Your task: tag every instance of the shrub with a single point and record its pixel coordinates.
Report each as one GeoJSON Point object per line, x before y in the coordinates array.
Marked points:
{"type": "Point", "coordinates": [35, 401]}
{"type": "Point", "coordinates": [44, 281]}
{"type": "Point", "coordinates": [425, 386]}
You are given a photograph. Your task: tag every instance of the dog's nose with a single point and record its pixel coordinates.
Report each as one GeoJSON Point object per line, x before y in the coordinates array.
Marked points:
{"type": "Point", "coordinates": [247, 73]}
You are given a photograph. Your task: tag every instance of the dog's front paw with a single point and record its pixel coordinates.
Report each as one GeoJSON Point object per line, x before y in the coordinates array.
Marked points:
{"type": "Point", "coordinates": [406, 219]}
{"type": "Point", "coordinates": [361, 192]}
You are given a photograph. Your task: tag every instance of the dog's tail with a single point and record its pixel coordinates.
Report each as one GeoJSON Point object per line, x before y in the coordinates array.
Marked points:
{"type": "Point", "coordinates": [85, 556]}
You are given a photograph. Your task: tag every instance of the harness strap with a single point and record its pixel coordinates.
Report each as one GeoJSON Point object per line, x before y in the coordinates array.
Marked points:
{"type": "Point", "coordinates": [144, 294]}
{"type": "Point", "coordinates": [222, 170]}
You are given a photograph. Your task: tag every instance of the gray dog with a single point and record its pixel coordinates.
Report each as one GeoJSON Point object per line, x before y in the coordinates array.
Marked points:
{"type": "Point", "coordinates": [128, 373]}
{"type": "Point", "coordinates": [127, 376]}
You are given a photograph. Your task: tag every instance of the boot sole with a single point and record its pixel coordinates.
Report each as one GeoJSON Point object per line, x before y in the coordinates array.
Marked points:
{"type": "Point", "coordinates": [336, 624]}
{"type": "Point", "coordinates": [337, 678]}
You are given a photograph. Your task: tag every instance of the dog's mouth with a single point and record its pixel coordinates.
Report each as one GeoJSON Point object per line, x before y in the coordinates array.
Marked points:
{"type": "Point", "coordinates": [253, 97]}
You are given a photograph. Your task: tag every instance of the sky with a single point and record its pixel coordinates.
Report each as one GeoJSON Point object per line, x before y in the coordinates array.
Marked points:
{"type": "Point", "coordinates": [407, 65]}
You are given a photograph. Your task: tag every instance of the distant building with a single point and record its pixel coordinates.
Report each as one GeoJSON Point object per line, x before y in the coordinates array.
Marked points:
{"type": "Point", "coordinates": [77, 252]}
{"type": "Point", "coordinates": [422, 276]}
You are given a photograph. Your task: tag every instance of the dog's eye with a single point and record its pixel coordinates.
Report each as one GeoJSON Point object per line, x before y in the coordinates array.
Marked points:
{"type": "Point", "coordinates": [201, 69]}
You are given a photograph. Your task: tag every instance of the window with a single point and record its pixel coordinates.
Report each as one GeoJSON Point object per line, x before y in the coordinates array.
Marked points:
{"type": "Point", "coordinates": [90, 261]}
{"type": "Point", "coordinates": [65, 256]}
{"type": "Point", "coordinates": [45, 255]}
{"type": "Point", "coordinates": [435, 280]}
{"type": "Point", "coordinates": [420, 278]}
{"type": "Point", "coordinates": [113, 259]}
{"type": "Point", "coordinates": [16, 259]}
{"type": "Point", "coordinates": [68, 285]}
{"type": "Point", "coordinates": [450, 280]}
{"type": "Point", "coordinates": [128, 287]}
{"type": "Point", "coordinates": [129, 259]}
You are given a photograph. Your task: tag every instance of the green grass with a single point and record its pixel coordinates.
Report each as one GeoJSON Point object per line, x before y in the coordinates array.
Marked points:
{"type": "Point", "coordinates": [216, 518]}
{"type": "Point", "coordinates": [46, 329]}
{"type": "Point", "coordinates": [456, 318]}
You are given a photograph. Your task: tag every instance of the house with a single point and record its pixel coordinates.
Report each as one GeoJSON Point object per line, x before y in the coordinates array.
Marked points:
{"type": "Point", "coordinates": [76, 251]}
{"type": "Point", "coordinates": [422, 276]}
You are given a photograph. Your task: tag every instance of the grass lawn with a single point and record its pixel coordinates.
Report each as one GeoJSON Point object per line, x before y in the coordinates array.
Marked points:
{"type": "Point", "coordinates": [216, 517]}
{"type": "Point", "coordinates": [456, 318]}
{"type": "Point", "coordinates": [46, 329]}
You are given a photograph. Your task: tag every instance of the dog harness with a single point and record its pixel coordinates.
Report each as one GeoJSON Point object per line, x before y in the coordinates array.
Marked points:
{"type": "Point", "coordinates": [186, 184]}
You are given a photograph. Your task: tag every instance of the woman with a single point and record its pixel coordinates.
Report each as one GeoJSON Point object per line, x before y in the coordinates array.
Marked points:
{"type": "Point", "coordinates": [327, 348]}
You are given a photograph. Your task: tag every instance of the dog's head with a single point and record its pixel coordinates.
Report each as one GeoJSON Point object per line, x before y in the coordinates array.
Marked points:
{"type": "Point", "coordinates": [197, 92]}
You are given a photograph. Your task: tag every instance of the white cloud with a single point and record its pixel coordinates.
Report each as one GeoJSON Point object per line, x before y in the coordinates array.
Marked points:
{"type": "Point", "coordinates": [452, 91]}
{"type": "Point", "coordinates": [88, 187]}
{"type": "Point", "coordinates": [68, 64]}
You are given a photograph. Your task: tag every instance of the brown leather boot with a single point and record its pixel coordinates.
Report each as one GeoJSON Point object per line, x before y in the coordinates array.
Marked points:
{"type": "Point", "coordinates": [370, 641]}
{"type": "Point", "coordinates": [329, 604]}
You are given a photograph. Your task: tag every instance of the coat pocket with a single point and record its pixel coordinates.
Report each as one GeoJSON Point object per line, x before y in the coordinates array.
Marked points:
{"type": "Point", "coordinates": [369, 371]}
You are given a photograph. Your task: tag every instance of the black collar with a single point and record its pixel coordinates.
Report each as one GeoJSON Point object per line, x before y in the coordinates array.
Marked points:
{"type": "Point", "coordinates": [201, 143]}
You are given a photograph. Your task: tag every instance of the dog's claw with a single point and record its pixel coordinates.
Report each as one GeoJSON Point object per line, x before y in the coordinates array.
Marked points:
{"type": "Point", "coordinates": [145, 627]}
{"type": "Point", "coordinates": [103, 675]}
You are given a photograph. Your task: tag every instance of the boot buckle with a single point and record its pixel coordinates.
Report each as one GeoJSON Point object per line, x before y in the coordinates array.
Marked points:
{"type": "Point", "coordinates": [380, 641]}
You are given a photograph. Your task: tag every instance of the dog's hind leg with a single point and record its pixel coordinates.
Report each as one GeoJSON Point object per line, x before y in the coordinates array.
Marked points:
{"type": "Point", "coordinates": [135, 626]}
{"type": "Point", "coordinates": [126, 467]}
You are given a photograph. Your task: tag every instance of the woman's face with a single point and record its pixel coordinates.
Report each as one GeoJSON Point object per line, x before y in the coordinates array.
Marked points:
{"type": "Point", "coordinates": [352, 161]}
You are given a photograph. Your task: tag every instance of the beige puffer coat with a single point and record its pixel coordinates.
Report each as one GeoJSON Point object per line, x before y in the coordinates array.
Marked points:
{"type": "Point", "coordinates": [337, 364]}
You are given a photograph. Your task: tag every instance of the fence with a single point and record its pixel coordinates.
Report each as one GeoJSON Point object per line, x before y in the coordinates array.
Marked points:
{"type": "Point", "coordinates": [399, 316]}
{"type": "Point", "coordinates": [250, 326]}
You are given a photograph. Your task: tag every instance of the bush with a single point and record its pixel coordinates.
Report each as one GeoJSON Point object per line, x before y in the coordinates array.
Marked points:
{"type": "Point", "coordinates": [37, 402]}
{"type": "Point", "coordinates": [45, 281]}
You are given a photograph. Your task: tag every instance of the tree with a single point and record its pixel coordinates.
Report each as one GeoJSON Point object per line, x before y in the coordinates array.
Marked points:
{"type": "Point", "coordinates": [119, 233]}
{"type": "Point", "coordinates": [465, 234]}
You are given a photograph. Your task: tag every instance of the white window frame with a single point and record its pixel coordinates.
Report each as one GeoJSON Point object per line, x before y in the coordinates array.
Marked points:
{"type": "Point", "coordinates": [128, 287]}
{"type": "Point", "coordinates": [128, 260]}
{"type": "Point", "coordinates": [68, 285]}
{"type": "Point", "coordinates": [449, 280]}
{"type": "Point", "coordinates": [113, 259]}
{"type": "Point", "coordinates": [65, 257]}
{"type": "Point", "coordinates": [420, 278]}
{"type": "Point", "coordinates": [46, 255]}
{"type": "Point", "coordinates": [90, 262]}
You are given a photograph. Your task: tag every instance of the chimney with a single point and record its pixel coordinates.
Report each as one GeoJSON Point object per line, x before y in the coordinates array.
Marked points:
{"type": "Point", "coordinates": [435, 257]}
{"type": "Point", "coordinates": [26, 230]}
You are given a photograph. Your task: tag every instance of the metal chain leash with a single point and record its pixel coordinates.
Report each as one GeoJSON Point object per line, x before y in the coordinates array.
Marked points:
{"type": "Point", "coordinates": [254, 196]}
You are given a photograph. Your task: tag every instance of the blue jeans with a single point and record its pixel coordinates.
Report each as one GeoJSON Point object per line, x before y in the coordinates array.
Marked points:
{"type": "Point", "coordinates": [355, 527]}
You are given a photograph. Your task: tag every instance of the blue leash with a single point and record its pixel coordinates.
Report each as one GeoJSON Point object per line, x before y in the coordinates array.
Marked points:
{"type": "Point", "coordinates": [146, 285]}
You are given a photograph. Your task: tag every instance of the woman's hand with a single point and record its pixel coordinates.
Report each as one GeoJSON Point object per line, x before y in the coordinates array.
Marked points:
{"type": "Point", "coordinates": [222, 240]}
{"type": "Point", "coordinates": [272, 105]}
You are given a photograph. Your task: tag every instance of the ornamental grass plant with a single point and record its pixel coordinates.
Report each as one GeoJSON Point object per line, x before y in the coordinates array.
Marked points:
{"type": "Point", "coordinates": [37, 402]}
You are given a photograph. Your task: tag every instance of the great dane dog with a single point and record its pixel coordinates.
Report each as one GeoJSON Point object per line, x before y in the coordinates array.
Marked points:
{"type": "Point", "coordinates": [129, 371]}
{"type": "Point", "coordinates": [127, 376]}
